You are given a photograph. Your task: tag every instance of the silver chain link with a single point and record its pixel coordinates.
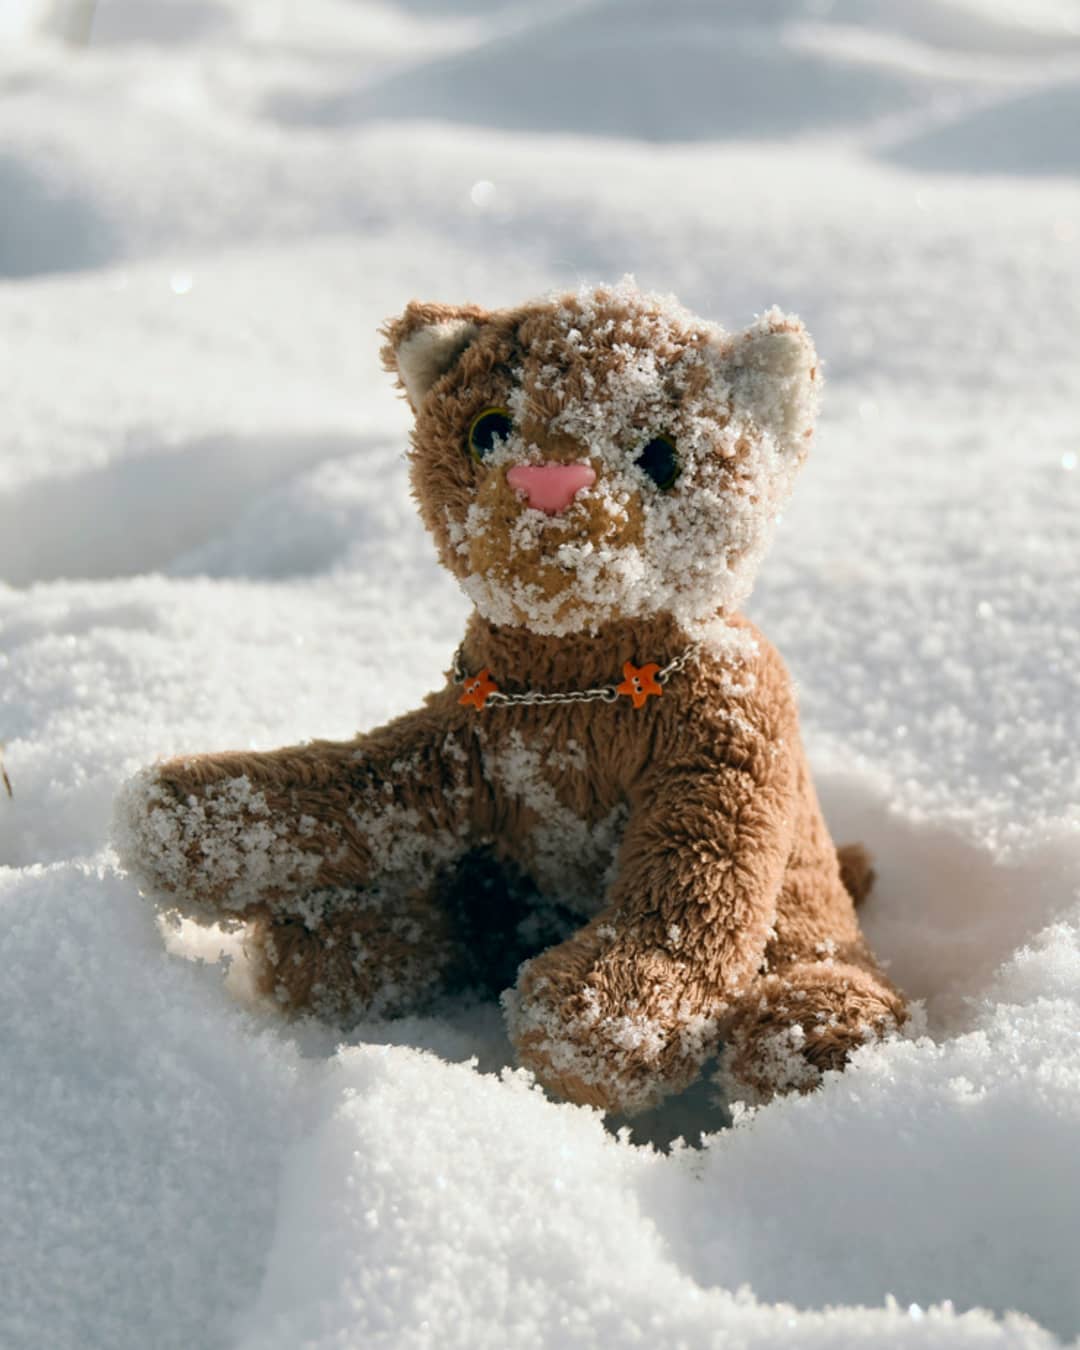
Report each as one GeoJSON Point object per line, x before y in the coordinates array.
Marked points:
{"type": "Point", "coordinates": [606, 693]}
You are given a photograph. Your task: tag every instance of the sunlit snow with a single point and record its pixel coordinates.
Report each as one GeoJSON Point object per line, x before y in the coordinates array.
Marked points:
{"type": "Point", "coordinates": [206, 541]}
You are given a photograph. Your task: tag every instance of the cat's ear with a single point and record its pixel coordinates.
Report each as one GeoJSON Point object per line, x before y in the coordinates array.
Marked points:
{"type": "Point", "coordinates": [425, 342]}
{"type": "Point", "coordinates": [775, 380]}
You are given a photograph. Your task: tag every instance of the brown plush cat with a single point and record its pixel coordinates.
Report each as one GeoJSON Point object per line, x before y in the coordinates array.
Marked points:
{"type": "Point", "coordinates": [611, 781]}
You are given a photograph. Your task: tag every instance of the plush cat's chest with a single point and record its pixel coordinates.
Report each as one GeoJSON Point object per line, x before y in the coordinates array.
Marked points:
{"type": "Point", "coordinates": [559, 808]}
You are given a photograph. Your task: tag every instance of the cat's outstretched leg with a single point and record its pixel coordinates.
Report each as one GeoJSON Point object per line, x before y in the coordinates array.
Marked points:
{"type": "Point", "coordinates": [331, 851]}
{"type": "Point", "coordinates": [222, 836]}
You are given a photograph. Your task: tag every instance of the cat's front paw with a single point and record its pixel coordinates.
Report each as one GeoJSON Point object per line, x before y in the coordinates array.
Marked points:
{"type": "Point", "coordinates": [620, 1035]}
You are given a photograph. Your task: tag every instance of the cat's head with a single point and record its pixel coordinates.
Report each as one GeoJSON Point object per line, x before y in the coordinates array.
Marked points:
{"type": "Point", "coordinates": [602, 455]}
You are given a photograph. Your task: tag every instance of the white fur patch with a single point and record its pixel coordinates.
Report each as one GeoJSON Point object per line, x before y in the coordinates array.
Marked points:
{"type": "Point", "coordinates": [569, 857]}
{"type": "Point", "coordinates": [774, 379]}
{"type": "Point", "coordinates": [429, 353]}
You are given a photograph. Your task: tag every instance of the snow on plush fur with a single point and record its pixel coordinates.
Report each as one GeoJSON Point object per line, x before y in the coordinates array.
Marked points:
{"type": "Point", "coordinates": [662, 874]}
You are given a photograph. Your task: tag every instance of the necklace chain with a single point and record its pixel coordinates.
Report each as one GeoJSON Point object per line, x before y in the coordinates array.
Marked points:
{"type": "Point", "coordinates": [605, 693]}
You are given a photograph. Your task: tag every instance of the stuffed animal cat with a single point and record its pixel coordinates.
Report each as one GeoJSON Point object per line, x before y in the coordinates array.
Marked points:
{"type": "Point", "coordinates": [610, 786]}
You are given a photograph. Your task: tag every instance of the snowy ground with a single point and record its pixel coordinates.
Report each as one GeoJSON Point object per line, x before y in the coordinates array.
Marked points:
{"type": "Point", "coordinates": [207, 542]}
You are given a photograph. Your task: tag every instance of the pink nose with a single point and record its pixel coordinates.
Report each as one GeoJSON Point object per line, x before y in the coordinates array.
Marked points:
{"type": "Point", "coordinates": [551, 487]}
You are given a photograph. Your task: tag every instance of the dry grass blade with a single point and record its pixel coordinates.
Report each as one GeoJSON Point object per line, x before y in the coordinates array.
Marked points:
{"type": "Point", "coordinates": [3, 772]}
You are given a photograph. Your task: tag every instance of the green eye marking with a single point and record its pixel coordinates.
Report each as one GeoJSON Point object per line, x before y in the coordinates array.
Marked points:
{"type": "Point", "coordinates": [660, 461]}
{"type": "Point", "coordinates": [489, 426]}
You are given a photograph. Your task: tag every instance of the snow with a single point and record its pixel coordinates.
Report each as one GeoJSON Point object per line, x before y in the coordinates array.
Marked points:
{"type": "Point", "coordinates": [206, 542]}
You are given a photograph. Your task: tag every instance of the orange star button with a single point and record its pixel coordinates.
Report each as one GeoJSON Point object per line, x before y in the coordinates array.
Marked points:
{"type": "Point", "coordinates": [477, 689]}
{"type": "Point", "coordinates": [639, 682]}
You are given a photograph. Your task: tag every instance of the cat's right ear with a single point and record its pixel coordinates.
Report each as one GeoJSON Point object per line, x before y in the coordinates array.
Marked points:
{"type": "Point", "coordinates": [427, 341]}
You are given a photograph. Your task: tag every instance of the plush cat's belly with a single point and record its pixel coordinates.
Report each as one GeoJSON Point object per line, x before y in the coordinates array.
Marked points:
{"type": "Point", "coordinates": [551, 819]}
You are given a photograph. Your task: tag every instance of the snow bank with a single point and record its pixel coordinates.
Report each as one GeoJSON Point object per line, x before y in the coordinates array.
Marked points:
{"type": "Point", "coordinates": [433, 1204]}
{"type": "Point", "coordinates": [143, 1129]}
{"type": "Point", "coordinates": [206, 541]}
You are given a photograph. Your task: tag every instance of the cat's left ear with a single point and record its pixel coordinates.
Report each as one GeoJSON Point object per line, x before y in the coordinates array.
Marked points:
{"type": "Point", "coordinates": [775, 379]}
{"type": "Point", "coordinates": [425, 342]}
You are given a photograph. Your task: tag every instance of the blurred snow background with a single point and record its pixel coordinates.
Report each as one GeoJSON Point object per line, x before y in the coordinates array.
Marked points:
{"type": "Point", "coordinates": [206, 208]}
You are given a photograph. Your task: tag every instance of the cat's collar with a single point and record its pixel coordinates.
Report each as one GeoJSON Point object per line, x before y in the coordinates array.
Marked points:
{"type": "Point", "coordinates": [639, 684]}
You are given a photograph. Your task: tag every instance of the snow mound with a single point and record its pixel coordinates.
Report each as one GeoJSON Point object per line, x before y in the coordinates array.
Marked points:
{"type": "Point", "coordinates": [48, 224]}
{"type": "Point", "coordinates": [167, 21]}
{"type": "Point", "coordinates": [628, 70]}
{"type": "Point", "coordinates": [963, 26]}
{"type": "Point", "coordinates": [1033, 132]}
{"type": "Point", "coordinates": [328, 518]}
{"type": "Point", "coordinates": [139, 513]}
{"type": "Point", "coordinates": [145, 1146]}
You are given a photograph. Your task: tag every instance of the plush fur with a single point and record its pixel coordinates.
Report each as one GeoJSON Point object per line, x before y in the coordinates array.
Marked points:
{"type": "Point", "coordinates": [663, 873]}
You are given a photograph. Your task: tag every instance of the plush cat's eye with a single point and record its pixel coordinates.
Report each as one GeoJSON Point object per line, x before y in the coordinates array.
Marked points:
{"type": "Point", "coordinates": [660, 461]}
{"type": "Point", "coordinates": [492, 425]}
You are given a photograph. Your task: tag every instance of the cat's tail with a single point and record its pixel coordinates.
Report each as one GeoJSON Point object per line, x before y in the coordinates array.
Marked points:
{"type": "Point", "coordinates": [856, 871]}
